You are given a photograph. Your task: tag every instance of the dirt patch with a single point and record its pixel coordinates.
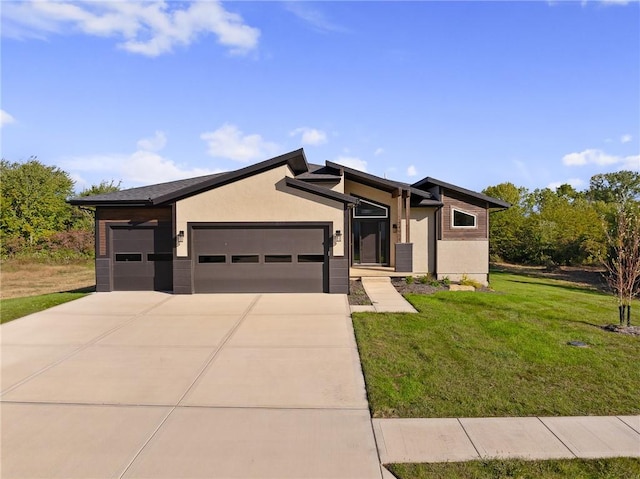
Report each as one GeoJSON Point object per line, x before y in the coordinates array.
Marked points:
{"type": "Point", "coordinates": [21, 279]}
{"type": "Point", "coordinates": [586, 276]}
{"type": "Point", "coordinates": [630, 330]}
{"type": "Point", "coordinates": [357, 294]}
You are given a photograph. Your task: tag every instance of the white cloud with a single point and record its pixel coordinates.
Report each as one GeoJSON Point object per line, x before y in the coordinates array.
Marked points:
{"type": "Point", "coordinates": [141, 167]}
{"type": "Point", "coordinates": [229, 142]}
{"type": "Point", "coordinates": [148, 28]}
{"type": "Point", "coordinates": [626, 138]}
{"type": "Point", "coordinates": [6, 118]}
{"type": "Point", "coordinates": [378, 152]}
{"type": "Point", "coordinates": [310, 136]}
{"type": "Point", "coordinates": [411, 171]}
{"type": "Point", "coordinates": [575, 182]}
{"type": "Point", "coordinates": [615, 2]}
{"type": "Point", "coordinates": [153, 144]}
{"type": "Point", "coordinates": [313, 16]}
{"type": "Point", "coordinates": [593, 157]}
{"type": "Point", "coordinates": [352, 162]}
{"type": "Point", "coordinates": [631, 163]}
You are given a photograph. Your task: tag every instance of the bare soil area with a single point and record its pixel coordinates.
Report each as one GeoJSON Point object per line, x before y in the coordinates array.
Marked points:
{"type": "Point", "coordinates": [19, 278]}
{"type": "Point", "coordinates": [585, 276]}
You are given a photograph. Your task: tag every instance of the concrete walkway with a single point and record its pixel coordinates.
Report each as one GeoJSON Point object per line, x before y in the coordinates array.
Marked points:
{"type": "Point", "coordinates": [151, 385]}
{"type": "Point", "coordinates": [384, 297]}
{"type": "Point", "coordinates": [464, 439]}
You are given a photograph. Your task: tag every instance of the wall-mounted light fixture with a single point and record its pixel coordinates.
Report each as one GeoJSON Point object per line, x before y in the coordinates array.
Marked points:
{"type": "Point", "coordinates": [180, 237]}
{"type": "Point", "coordinates": [395, 228]}
{"type": "Point", "coordinates": [338, 236]}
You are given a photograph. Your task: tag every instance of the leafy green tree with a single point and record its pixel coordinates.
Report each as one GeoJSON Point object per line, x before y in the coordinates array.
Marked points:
{"type": "Point", "coordinates": [508, 229]}
{"type": "Point", "coordinates": [84, 216]}
{"type": "Point", "coordinates": [620, 187]}
{"type": "Point", "coordinates": [33, 200]}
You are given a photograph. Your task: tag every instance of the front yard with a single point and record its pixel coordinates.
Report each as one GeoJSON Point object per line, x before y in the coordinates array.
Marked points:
{"type": "Point", "coordinates": [501, 354]}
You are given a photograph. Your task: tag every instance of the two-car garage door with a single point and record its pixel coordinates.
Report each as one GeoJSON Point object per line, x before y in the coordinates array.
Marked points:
{"type": "Point", "coordinates": [283, 258]}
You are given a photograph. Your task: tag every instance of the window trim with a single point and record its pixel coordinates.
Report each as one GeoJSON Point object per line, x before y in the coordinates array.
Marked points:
{"type": "Point", "coordinates": [474, 216]}
{"type": "Point", "coordinates": [377, 205]}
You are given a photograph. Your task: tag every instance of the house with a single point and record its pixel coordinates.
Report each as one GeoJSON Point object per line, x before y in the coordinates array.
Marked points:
{"type": "Point", "coordinates": [285, 225]}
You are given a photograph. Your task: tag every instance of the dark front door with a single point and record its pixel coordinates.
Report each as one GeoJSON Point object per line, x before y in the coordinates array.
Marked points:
{"type": "Point", "coordinates": [369, 242]}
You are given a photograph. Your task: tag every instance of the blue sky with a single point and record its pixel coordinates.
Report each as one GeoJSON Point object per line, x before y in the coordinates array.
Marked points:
{"type": "Point", "coordinates": [473, 93]}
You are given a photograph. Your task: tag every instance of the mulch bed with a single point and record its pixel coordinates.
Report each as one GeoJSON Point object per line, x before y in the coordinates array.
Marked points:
{"type": "Point", "coordinates": [357, 295]}
{"type": "Point", "coordinates": [416, 287]}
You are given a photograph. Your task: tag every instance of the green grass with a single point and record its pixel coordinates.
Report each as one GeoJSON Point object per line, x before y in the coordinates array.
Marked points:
{"type": "Point", "coordinates": [14, 308]}
{"type": "Point", "coordinates": [617, 468]}
{"type": "Point", "coordinates": [500, 354]}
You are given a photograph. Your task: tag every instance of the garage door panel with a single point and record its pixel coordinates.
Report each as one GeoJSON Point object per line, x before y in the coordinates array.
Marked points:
{"type": "Point", "coordinates": [142, 258]}
{"type": "Point", "coordinates": [266, 259]}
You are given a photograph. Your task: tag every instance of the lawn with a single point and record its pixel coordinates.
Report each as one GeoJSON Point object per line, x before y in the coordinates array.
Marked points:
{"type": "Point", "coordinates": [14, 308]}
{"type": "Point", "coordinates": [23, 277]}
{"type": "Point", "coordinates": [616, 468]}
{"type": "Point", "coordinates": [500, 354]}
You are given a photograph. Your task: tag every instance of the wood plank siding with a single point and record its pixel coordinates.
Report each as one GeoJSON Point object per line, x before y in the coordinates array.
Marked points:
{"type": "Point", "coordinates": [466, 204]}
{"type": "Point", "coordinates": [128, 216]}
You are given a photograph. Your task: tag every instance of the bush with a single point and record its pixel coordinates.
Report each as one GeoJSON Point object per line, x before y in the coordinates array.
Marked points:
{"type": "Point", "coordinates": [466, 281]}
{"type": "Point", "coordinates": [409, 279]}
{"type": "Point", "coordinates": [65, 246]}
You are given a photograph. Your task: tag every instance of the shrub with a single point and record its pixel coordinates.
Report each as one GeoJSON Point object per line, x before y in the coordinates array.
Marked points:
{"type": "Point", "coordinates": [409, 279]}
{"type": "Point", "coordinates": [466, 281]}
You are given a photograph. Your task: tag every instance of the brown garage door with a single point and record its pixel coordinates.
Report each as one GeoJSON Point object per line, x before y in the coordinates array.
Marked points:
{"type": "Point", "coordinates": [260, 259]}
{"type": "Point", "coordinates": [142, 258]}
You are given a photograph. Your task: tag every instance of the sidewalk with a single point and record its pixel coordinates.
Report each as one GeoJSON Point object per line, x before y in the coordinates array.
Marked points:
{"type": "Point", "coordinates": [384, 297]}
{"type": "Point", "coordinates": [465, 439]}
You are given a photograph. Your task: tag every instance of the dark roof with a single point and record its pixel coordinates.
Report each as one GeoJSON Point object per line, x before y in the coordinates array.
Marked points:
{"type": "Point", "coordinates": [493, 202]}
{"type": "Point", "coordinates": [168, 192]}
{"type": "Point", "coordinates": [368, 179]}
{"type": "Point", "coordinates": [142, 194]}
{"type": "Point", "coordinates": [305, 175]}
{"type": "Point", "coordinates": [320, 191]}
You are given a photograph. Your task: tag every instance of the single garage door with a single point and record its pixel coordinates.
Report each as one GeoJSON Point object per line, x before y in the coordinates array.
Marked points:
{"type": "Point", "coordinates": [258, 259]}
{"type": "Point", "coordinates": [142, 258]}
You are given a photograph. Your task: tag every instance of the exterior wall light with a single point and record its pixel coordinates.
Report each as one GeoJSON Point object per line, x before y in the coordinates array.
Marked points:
{"type": "Point", "coordinates": [338, 236]}
{"type": "Point", "coordinates": [180, 237]}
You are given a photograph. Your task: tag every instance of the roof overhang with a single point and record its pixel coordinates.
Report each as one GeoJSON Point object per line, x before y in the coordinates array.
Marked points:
{"type": "Point", "coordinates": [321, 191]}
{"type": "Point", "coordinates": [367, 179]}
{"type": "Point", "coordinates": [429, 182]}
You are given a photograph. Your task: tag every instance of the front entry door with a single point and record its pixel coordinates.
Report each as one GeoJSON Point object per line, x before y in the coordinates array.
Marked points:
{"type": "Point", "coordinates": [369, 242]}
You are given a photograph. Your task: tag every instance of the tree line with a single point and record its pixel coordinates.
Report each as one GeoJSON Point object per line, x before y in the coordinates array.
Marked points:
{"type": "Point", "coordinates": [35, 219]}
{"type": "Point", "coordinates": [562, 226]}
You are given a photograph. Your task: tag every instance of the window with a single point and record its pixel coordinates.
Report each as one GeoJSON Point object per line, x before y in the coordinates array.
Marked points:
{"type": "Point", "coordinates": [160, 257]}
{"type": "Point", "coordinates": [128, 257]}
{"type": "Point", "coordinates": [245, 258]}
{"type": "Point", "coordinates": [212, 258]}
{"type": "Point", "coordinates": [277, 258]}
{"type": "Point", "coordinates": [367, 209]}
{"type": "Point", "coordinates": [310, 258]}
{"type": "Point", "coordinates": [462, 219]}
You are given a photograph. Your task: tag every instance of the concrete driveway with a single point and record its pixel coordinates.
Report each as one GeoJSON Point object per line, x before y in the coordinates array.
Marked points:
{"type": "Point", "coordinates": [161, 386]}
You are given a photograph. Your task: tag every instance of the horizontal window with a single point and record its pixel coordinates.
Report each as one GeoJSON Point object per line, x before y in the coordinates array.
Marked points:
{"type": "Point", "coordinates": [277, 258]}
{"type": "Point", "coordinates": [463, 220]}
{"type": "Point", "coordinates": [310, 258]}
{"type": "Point", "coordinates": [133, 257]}
{"type": "Point", "coordinates": [245, 258]}
{"type": "Point", "coordinates": [212, 258]}
{"type": "Point", "coordinates": [160, 257]}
